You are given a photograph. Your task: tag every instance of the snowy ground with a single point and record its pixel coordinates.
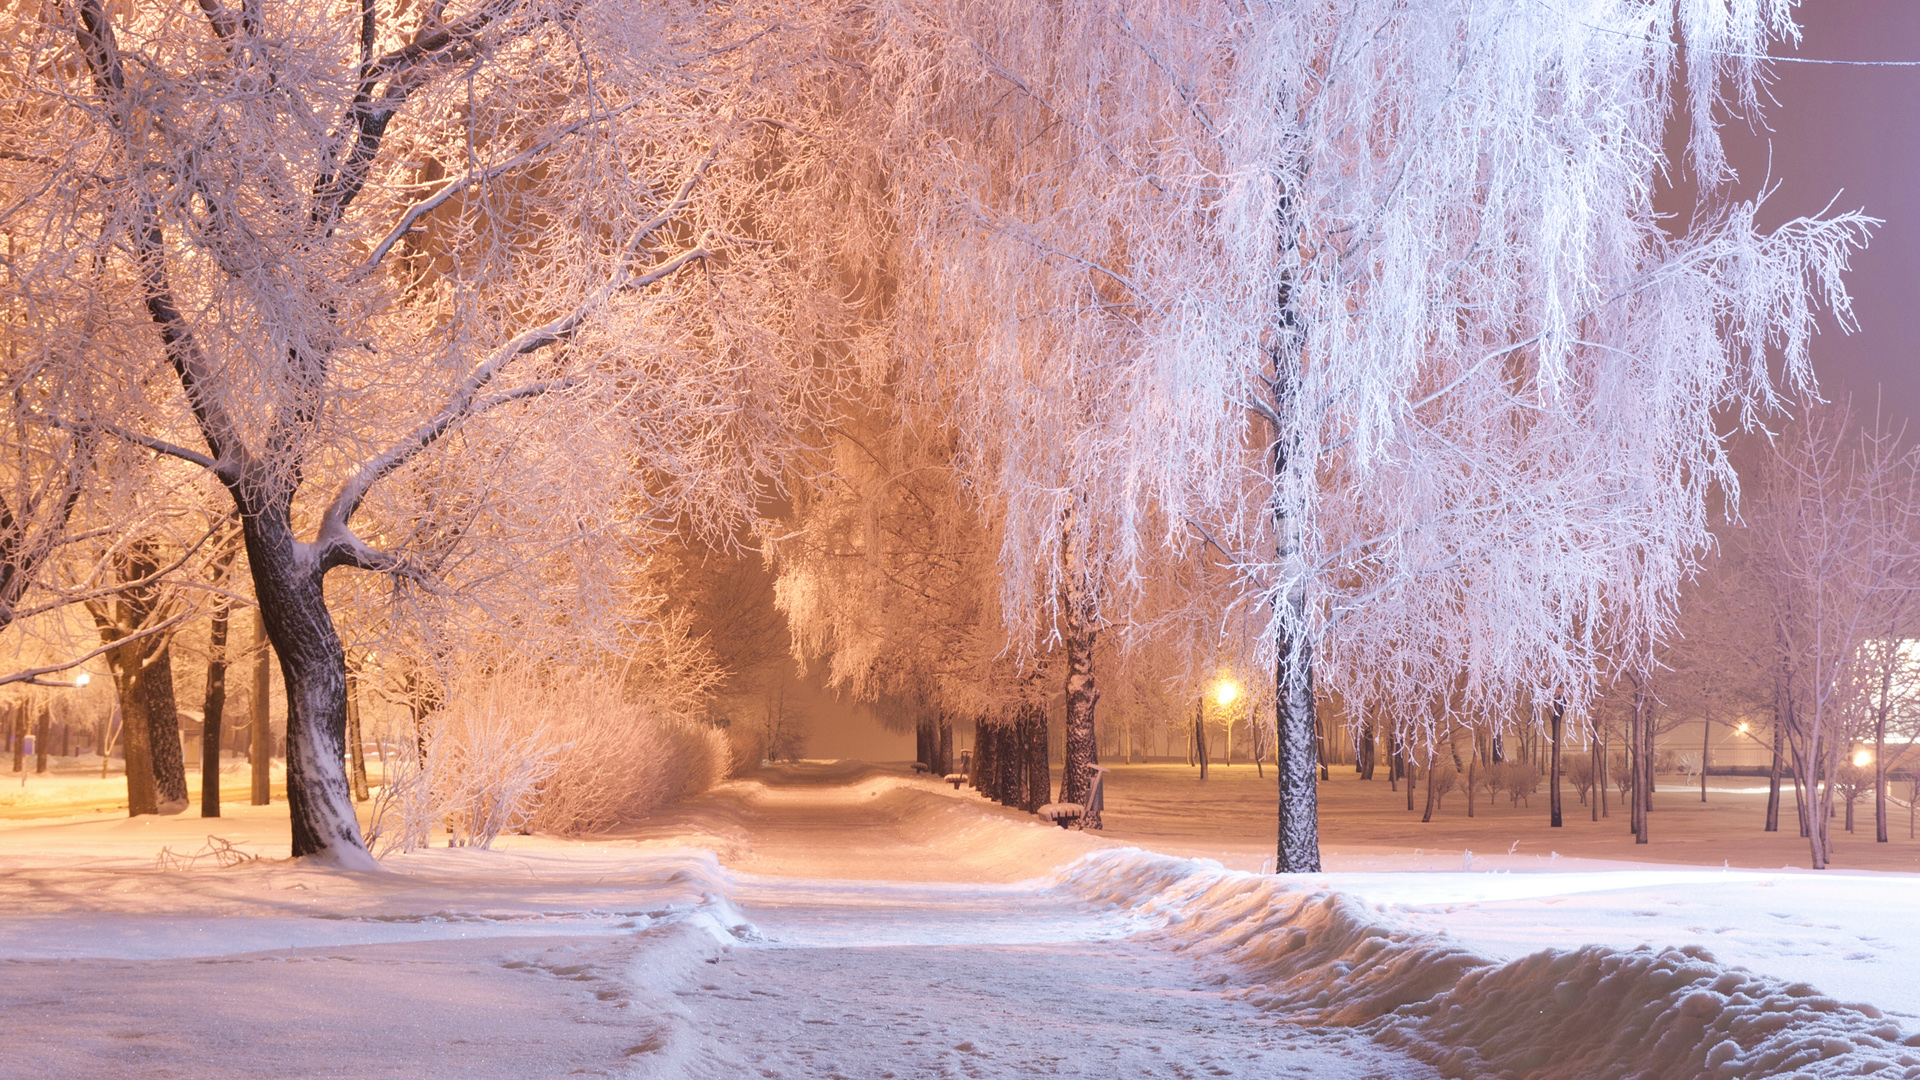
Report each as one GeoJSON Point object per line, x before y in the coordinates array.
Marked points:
{"type": "Point", "coordinates": [846, 921]}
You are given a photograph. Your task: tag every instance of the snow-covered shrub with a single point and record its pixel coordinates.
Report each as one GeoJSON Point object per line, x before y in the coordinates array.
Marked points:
{"type": "Point", "coordinates": [620, 759]}
{"type": "Point", "coordinates": [1440, 780]}
{"type": "Point", "coordinates": [517, 750]}
{"type": "Point", "coordinates": [1522, 782]}
{"type": "Point", "coordinates": [1579, 772]}
{"type": "Point", "coordinates": [403, 811]}
{"type": "Point", "coordinates": [489, 754]}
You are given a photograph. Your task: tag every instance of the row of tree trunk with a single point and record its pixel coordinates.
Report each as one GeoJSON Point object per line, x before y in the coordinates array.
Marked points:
{"type": "Point", "coordinates": [1010, 764]}
{"type": "Point", "coordinates": [933, 745]}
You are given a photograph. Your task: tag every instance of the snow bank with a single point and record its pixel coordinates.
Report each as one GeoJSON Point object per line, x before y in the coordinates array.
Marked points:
{"type": "Point", "coordinates": [1322, 958]}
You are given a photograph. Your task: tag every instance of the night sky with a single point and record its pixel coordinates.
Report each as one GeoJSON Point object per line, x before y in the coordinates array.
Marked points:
{"type": "Point", "coordinates": [1854, 133]}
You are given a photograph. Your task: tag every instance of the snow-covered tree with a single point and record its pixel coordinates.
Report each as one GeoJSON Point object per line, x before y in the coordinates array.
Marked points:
{"type": "Point", "coordinates": [1375, 293]}
{"type": "Point", "coordinates": [433, 290]}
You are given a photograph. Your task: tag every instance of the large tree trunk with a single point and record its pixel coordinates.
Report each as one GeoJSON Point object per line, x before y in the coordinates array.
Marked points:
{"type": "Point", "coordinates": [163, 734]}
{"type": "Point", "coordinates": [288, 582]}
{"type": "Point", "coordinates": [1295, 758]}
{"type": "Point", "coordinates": [129, 679]}
{"type": "Point", "coordinates": [943, 763]}
{"type": "Point", "coordinates": [1081, 751]}
{"type": "Point", "coordinates": [42, 744]}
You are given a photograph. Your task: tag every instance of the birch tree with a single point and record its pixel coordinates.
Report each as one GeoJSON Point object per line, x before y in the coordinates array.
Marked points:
{"type": "Point", "coordinates": [501, 263]}
{"type": "Point", "coordinates": [1377, 294]}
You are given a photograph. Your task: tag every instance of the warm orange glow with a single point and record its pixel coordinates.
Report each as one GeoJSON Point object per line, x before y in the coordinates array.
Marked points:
{"type": "Point", "coordinates": [1862, 758]}
{"type": "Point", "coordinates": [1742, 729]}
{"type": "Point", "coordinates": [1226, 691]}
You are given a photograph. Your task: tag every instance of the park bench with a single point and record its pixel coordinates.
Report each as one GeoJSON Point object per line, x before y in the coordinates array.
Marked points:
{"type": "Point", "coordinates": [1063, 814]}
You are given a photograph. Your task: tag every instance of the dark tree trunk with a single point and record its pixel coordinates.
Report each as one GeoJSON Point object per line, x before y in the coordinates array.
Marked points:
{"type": "Point", "coordinates": [1039, 770]}
{"type": "Point", "coordinates": [214, 704]}
{"type": "Point", "coordinates": [287, 579]}
{"type": "Point", "coordinates": [1080, 749]}
{"type": "Point", "coordinates": [1553, 783]}
{"type": "Point", "coordinates": [17, 736]}
{"type": "Point", "coordinates": [1006, 754]}
{"type": "Point", "coordinates": [130, 682]}
{"type": "Point", "coordinates": [214, 711]}
{"type": "Point", "coordinates": [922, 753]}
{"type": "Point", "coordinates": [1396, 759]}
{"type": "Point", "coordinates": [163, 734]}
{"type": "Point", "coordinates": [982, 778]}
{"type": "Point", "coordinates": [1638, 767]}
{"type": "Point", "coordinates": [1597, 754]}
{"type": "Point", "coordinates": [1406, 772]}
{"type": "Point", "coordinates": [1200, 735]}
{"type": "Point", "coordinates": [42, 745]}
{"type": "Point", "coordinates": [1803, 781]}
{"type": "Point", "coordinates": [1473, 763]}
{"type": "Point", "coordinates": [1428, 816]}
{"type": "Point", "coordinates": [260, 724]}
{"type": "Point", "coordinates": [1880, 756]}
{"type": "Point", "coordinates": [1773, 781]}
{"type": "Point", "coordinates": [943, 763]}
{"type": "Point", "coordinates": [1368, 736]}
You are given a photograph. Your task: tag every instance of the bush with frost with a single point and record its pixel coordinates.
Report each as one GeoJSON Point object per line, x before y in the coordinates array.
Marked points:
{"type": "Point", "coordinates": [519, 751]}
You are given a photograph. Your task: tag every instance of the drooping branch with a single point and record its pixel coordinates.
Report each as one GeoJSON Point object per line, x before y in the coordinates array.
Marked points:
{"type": "Point", "coordinates": [31, 676]}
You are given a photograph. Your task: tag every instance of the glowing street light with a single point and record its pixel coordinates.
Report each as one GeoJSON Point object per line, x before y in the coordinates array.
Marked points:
{"type": "Point", "coordinates": [1742, 729]}
{"type": "Point", "coordinates": [1862, 758]}
{"type": "Point", "coordinates": [1226, 691]}
{"type": "Point", "coordinates": [82, 679]}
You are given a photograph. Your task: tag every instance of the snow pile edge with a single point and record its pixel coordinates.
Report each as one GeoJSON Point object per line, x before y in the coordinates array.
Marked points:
{"type": "Point", "coordinates": [1318, 957]}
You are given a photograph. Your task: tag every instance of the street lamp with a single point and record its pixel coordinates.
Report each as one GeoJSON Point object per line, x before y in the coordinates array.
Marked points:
{"type": "Point", "coordinates": [1862, 758]}
{"type": "Point", "coordinates": [1226, 691]}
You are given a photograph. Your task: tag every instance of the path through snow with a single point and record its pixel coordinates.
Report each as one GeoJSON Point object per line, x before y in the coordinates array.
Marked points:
{"type": "Point", "coordinates": [843, 921]}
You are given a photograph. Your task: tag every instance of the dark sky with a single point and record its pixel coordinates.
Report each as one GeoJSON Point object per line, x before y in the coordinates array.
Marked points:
{"type": "Point", "coordinates": [1853, 132]}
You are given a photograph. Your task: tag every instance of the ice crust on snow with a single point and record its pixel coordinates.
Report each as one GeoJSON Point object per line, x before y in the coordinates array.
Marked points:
{"type": "Point", "coordinates": [1321, 958]}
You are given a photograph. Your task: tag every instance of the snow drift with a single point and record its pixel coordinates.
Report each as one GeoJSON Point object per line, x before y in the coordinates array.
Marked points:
{"type": "Point", "coordinates": [1321, 958]}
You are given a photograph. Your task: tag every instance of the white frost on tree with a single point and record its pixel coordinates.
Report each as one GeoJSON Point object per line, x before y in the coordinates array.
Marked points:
{"type": "Point", "coordinates": [1375, 296]}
